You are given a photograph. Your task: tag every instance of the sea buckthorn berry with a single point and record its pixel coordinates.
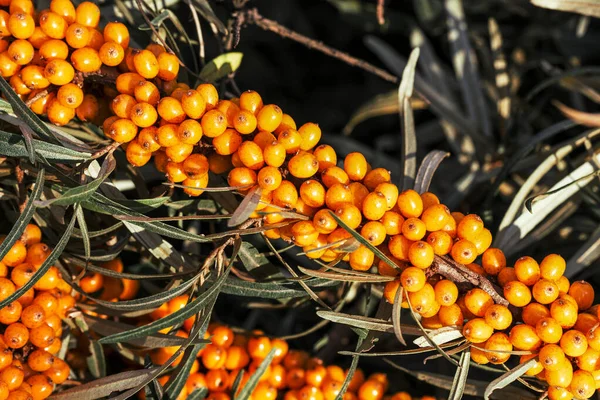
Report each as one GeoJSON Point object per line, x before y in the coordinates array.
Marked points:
{"type": "Point", "coordinates": [17, 84]}
{"type": "Point", "coordinates": [498, 348]}
{"type": "Point", "coordinates": [552, 267]}
{"type": "Point", "coordinates": [143, 115]}
{"type": "Point", "coordinates": [463, 251]}
{"type": "Point", "coordinates": [429, 199]}
{"type": "Point", "coordinates": [145, 63]}
{"type": "Point", "coordinates": [36, 255]}
{"type": "Point", "coordinates": [413, 229]}
{"type": "Point", "coordinates": [413, 279]}
{"type": "Point", "coordinates": [40, 360]}
{"type": "Point", "coordinates": [263, 139]}
{"type": "Point", "coordinates": [535, 369]}
{"type": "Point", "coordinates": [470, 227]}
{"type": "Point", "coordinates": [34, 77]}
{"type": "Point", "coordinates": [399, 247]}
{"type": "Point", "coordinates": [285, 195]}
{"type": "Point", "coordinates": [373, 231]}
{"type": "Point", "coordinates": [446, 292]}
{"type": "Point", "coordinates": [70, 95]}
{"type": "Point", "coordinates": [269, 178]}
{"type": "Point", "coordinates": [274, 154]}
{"type": "Point", "coordinates": [310, 132]}
{"type": "Point", "coordinates": [193, 104]}
{"type": "Point", "coordinates": [78, 36]}
{"type": "Point", "coordinates": [12, 376]}
{"type": "Point", "coordinates": [506, 275]}
{"type": "Point", "coordinates": [22, 273]}
{"type": "Point", "coordinates": [16, 255]}
{"type": "Point", "coordinates": [422, 300]}
{"type": "Point", "coordinates": [483, 241]}
{"type": "Point", "coordinates": [59, 372]}
{"type": "Point", "coordinates": [210, 94]}
{"type": "Point", "coordinates": [58, 114]}
{"type": "Point", "coordinates": [251, 101]}
{"type": "Point", "coordinates": [88, 14]}
{"type": "Point", "coordinates": [21, 52]}
{"type": "Point", "coordinates": [374, 206]}
{"type": "Point", "coordinates": [127, 82]}
{"type": "Point", "coordinates": [333, 175]}
{"type": "Point", "coordinates": [190, 132]}
{"type": "Point", "coordinates": [312, 193]}
{"type": "Point", "coordinates": [123, 131]}
{"type": "Point", "coordinates": [559, 393]}
{"type": "Point", "coordinates": [517, 294]}
{"type": "Point", "coordinates": [7, 66]}
{"type": "Point", "coordinates": [304, 233]}
{"type": "Point", "coordinates": [524, 337]}
{"type": "Point", "coordinates": [573, 343]}
{"type": "Point", "coordinates": [11, 313]}
{"type": "Point", "coordinates": [290, 139]}
{"type": "Point", "coordinates": [41, 386]}
{"type": "Point", "coordinates": [168, 66]}
{"type": "Point", "coordinates": [493, 261]}
{"type": "Point", "coordinates": [33, 316]}
{"type": "Point", "coordinates": [147, 91]}
{"type": "Point", "coordinates": [86, 59]}
{"type": "Point", "coordinates": [478, 301]}
{"type": "Point", "coordinates": [269, 117]}
{"type": "Point", "coordinates": [96, 39]}
{"type": "Point", "coordinates": [392, 221]}
{"type": "Point", "coordinates": [16, 335]}
{"type": "Point", "coordinates": [65, 9]}
{"type": "Point", "coordinates": [171, 111]}
{"type": "Point", "coordinates": [241, 177]}
{"type": "Point", "coordinates": [251, 155]}
{"type": "Point", "coordinates": [583, 293]}
{"type": "Point", "coordinates": [355, 166]}
{"type": "Point", "coordinates": [435, 217]}
{"type": "Point", "coordinates": [214, 123]}
{"type": "Point", "coordinates": [583, 385]}
{"type": "Point", "coordinates": [116, 32]}
{"type": "Point", "coordinates": [563, 284]}
{"type": "Point", "coordinates": [410, 204]}
{"type": "Point", "coordinates": [549, 330]}
{"type": "Point", "coordinates": [195, 187]}
{"type": "Point", "coordinates": [420, 254]}
{"type": "Point", "coordinates": [527, 270]}
{"type": "Point", "coordinates": [259, 347]}
{"type": "Point", "coordinates": [589, 361]}
{"type": "Point", "coordinates": [244, 122]}
{"type": "Point", "coordinates": [137, 155]}
{"type": "Point", "coordinates": [350, 215]}
{"type": "Point", "coordinates": [326, 156]}
{"type": "Point", "coordinates": [545, 291]}
{"type": "Point", "coordinates": [21, 25]}
{"type": "Point", "coordinates": [324, 222]}
{"type": "Point", "coordinates": [498, 317]}
{"type": "Point", "coordinates": [564, 312]}
{"type": "Point", "coordinates": [122, 105]}
{"type": "Point", "coordinates": [195, 166]}
{"type": "Point", "coordinates": [477, 330]}
{"type": "Point", "coordinates": [338, 195]}
{"type": "Point", "coordinates": [551, 356]}
{"type": "Point", "coordinates": [390, 191]}
{"type": "Point", "coordinates": [303, 165]}
{"type": "Point", "coordinates": [168, 135]}
{"type": "Point", "coordinates": [47, 301]}
{"type": "Point", "coordinates": [441, 242]}
{"type": "Point", "coordinates": [48, 281]}
{"type": "Point", "coordinates": [4, 17]}
{"type": "Point", "coordinates": [111, 54]}
{"type": "Point", "coordinates": [229, 109]}
{"type": "Point", "coordinates": [451, 315]}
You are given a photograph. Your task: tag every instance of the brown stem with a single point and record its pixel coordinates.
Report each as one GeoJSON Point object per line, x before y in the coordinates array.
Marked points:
{"type": "Point", "coordinates": [38, 96]}
{"type": "Point", "coordinates": [380, 12]}
{"type": "Point", "coordinates": [107, 149]}
{"type": "Point", "coordinates": [253, 16]}
{"type": "Point", "coordinates": [458, 273]}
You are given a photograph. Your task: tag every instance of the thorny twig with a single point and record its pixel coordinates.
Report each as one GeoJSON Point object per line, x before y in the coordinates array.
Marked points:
{"type": "Point", "coordinates": [253, 16]}
{"type": "Point", "coordinates": [380, 12]}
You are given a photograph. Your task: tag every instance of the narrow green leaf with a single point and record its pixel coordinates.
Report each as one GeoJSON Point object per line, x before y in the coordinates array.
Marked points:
{"type": "Point", "coordinates": [371, 324]}
{"type": "Point", "coordinates": [84, 232]}
{"type": "Point", "coordinates": [248, 388]}
{"type": "Point", "coordinates": [460, 377]}
{"type": "Point", "coordinates": [268, 290]}
{"type": "Point", "coordinates": [257, 264]}
{"type": "Point", "coordinates": [350, 374]}
{"type": "Point", "coordinates": [508, 378]}
{"type": "Point", "coordinates": [198, 394]}
{"type": "Point", "coordinates": [334, 276]}
{"type": "Point", "coordinates": [221, 66]}
{"type": "Point", "coordinates": [52, 257]}
{"type": "Point", "coordinates": [177, 317]}
{"type": "Point", "coordinates": [82, 193]}
{"type": "Point", "coordinates": [408, 156]}
{"type": "Point", "coordinates": [396, 314]}
{"type": "Point", "coordinates": [96, 362]}
{"type": "Point", "coordinates": [430, 164]}
{"type": "Point", "coordinates": [21, 223]}
{"type": "Point", "coordinates": [12, 145]}
{"type": "Point", "coordinates": [246, 207]}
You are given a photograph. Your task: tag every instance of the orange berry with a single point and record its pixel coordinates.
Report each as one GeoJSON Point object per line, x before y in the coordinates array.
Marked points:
{"type": "Point", "coordinates": [583, 385]}
{"type": "Point", "coordinates": [303, 165]}
{"type": "Point", "coordinates": [493, 261]}
{"type": "Point", "coordinates": [410, 204]}
{"type": "Point", "coordinates": [422, 300]}
{"type": "Point", "coordinates": [573, 343]}
{"type": "Point", "coordinates": [524, 337]}
{"type": "Point", "coordinates": [118, 33]}
{"type": "Point", "coordinates": [393, 221]}
{"type": "Point", "coordinates": [86, 59]}
{"type": "Point", "coordinates": [477, 330]}
{"type": "Point", "coordinates": [517, 294]}
{"type": "Point", "coordinates": [355, 166]}
{"type": "Point", "coordinates": [269, 117]}
{"type": "Point", "coordinates": [478, 301]}
{"type": "Point", "coordinates": [563, 284]}
{"type": "Point", "coordinates": [324, 222]}
{"type": "Point", "coordinates": [143, 115]}
{"type": "Point", "coordinates": [244, 122]}
{"type": "Point", "coordinates": [559, 393]}
{"type": "Point", "coordinates": [413, 229]}
{"type": "Point", "coordinates": [20, 52]}
{"type": "Point", "coordinates": [498, 317]}
{"type": "Point", "coordinates": [137, 155]}
{"type": "Point", "coordinates": [122, 131]}
{"type": "Point", "coordinates": [375, 206]}
{"type": "Point", "coordinates": [420, 254]}
{"type": "Point", "coordinates": [589, 361]}
{"type": "Point", "coordinates": [290, 139]}
{"type": "Point", "coordinates": [171, 110]}
{"type": "Point", "coordinates": [310, 132]}
{"type": "Point", "coordinates": [470, 227]}
{"type": "Point", "coordinates": [70, 95]}
{"type": "Point", "coordinates": [33, 316]}
{"type": "Point", "coordinates": [506, 275]}
{"type": "Point", "coordinates": [565, 312]}
{"type": "Point", "coordinates": [214, 123]}
{"type": "Point", "coordinates": [326, 156]}
{"type": "Point", "coordinates": [361, 259]}
{"type": "Point", "coordinates": [88, 14]}
{"type": "Point", "coordinates": [15, 255]}
{"type": "Point", "coordinates": [498, 347]}
{"type": "Point", "coordinates": [399, 247]}
{"type": "Point", "coordinates": [193, 104]}
{"type": "Point", "coordinates": [78, 36]}
{"type": "Point", "coordinates": [446, 292]}
{"type": "Point", "coordinates": [527, 270]}
{"type": "Point", "coordinates": [111, 54]}
{"type": "Point", "coordinates": [413, 279]}
{"type": "Point", "coordinates": [435, 217]}
{"type": "Point", "coordinates": [549, 330]}
{"type": "Point", "coordinates": [168, 66]}
{"type": "Point", "coordinates": [16, 335]}
{"type": "Point", "coordinates": [451, 315]}
{"type": "Point", "coordinates": [128, 82]}
{"type": "Point", "coordinates": [545, 291]}
{"type": "Point", "coordinates": [251, 101]}
{"type": "Point", "coordinates": [463, 251]}
{"type": "Point", "coordinates": [583, 293]}
{"type": "Point", "coordinates": [551, 357]}
{"type": "Point", "coordinates": [20, 25]}
{"type": "Point", "coordinates": [145, 63]}
{"type": "Point", "coordinates": [552, 267]}
{"type": "Point", "coordinates": [373, 231]}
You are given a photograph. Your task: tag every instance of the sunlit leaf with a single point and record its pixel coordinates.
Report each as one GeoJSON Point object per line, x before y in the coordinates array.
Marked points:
{"type": "Point", "coordinates": [221, 66]}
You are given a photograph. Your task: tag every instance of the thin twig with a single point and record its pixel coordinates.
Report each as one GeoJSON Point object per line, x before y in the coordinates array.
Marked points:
{"type": "Point", "coordinates": [380, 12]}
{"type": "Point", "coordinates": [253, 16]}
{"type": "Point", "coordinates": [38, 96]}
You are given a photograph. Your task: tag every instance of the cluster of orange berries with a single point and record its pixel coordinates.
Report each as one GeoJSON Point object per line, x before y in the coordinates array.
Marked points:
{"type": "Point", "coordinates": [46, 55]}
{"type": "Point", "coordinates": [32, 325]}
{"type": "Point", "coordinates": [112, 289]}
{"type": "Point", "coordinates": [292, 375]}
